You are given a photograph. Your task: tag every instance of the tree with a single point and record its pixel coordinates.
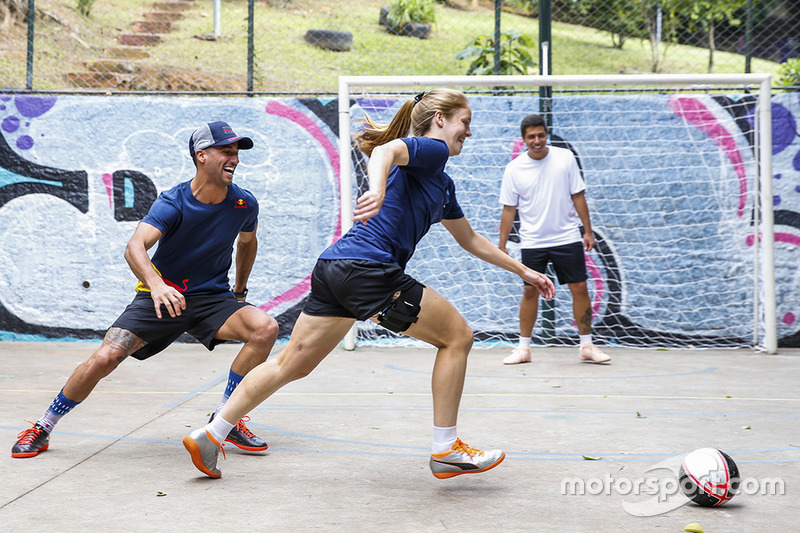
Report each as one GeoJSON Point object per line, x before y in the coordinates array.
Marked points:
{"type": "Point", "coordinates": [706, 12]}
{"type": "Point", "coordinates": [618, 17]}
{"type": "Point", "coordinates": [661, 19]}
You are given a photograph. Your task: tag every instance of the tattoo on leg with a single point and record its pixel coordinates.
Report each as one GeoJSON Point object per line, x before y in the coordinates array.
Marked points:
{"type": "Point", "coordinates": [123, 341]}
{"type": "Point", "coordinates": [585, 323]}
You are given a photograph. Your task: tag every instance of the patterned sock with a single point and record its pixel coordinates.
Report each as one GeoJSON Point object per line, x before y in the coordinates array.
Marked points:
{"type": "Point", "coordinates": [233, 381]}
{"type": "Point", "coordinates": [61, 405]}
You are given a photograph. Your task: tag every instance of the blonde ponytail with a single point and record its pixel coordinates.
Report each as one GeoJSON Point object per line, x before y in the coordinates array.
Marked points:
{"type": "Point", "coordinates": [413, 118]}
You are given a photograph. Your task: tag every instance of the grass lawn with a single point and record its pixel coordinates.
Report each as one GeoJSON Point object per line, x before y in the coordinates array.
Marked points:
{"type": "Point", "coordinates": [284, 62]}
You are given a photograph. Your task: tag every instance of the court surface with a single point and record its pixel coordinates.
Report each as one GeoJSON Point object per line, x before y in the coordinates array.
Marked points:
{"type": "Point", "coordinates": [588, 447]}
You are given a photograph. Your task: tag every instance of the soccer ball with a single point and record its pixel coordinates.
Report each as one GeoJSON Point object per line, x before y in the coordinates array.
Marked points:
{"type": "Point", "coordinates": [709, 477]}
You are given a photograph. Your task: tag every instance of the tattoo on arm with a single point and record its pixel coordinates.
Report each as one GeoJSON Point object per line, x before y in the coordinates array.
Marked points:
{"type": "Point", "coordinates": [124, 341]}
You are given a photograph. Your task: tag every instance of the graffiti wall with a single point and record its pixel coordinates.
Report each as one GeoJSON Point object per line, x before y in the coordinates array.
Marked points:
{"type": "Point", "coordinates": [77, 173]}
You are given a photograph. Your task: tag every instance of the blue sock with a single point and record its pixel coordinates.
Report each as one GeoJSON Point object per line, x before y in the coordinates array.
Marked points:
{"type": "Point", "coordinates": [61, 405]}
{"type": "Point", "coordinates": [233, 381]}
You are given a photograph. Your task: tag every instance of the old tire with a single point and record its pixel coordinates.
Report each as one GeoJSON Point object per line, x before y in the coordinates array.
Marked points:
{"type": "Point", "coordinates": [339, 41]}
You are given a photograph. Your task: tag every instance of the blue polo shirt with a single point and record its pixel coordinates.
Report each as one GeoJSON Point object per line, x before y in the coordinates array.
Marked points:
{"type": "Point", "coordinates": [418, 195]}
{"type": "Point", "coordinates": [196, 247]}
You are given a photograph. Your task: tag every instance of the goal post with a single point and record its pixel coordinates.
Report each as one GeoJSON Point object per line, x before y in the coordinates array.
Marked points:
{"type": "Point", "coordinates": [679, 185]}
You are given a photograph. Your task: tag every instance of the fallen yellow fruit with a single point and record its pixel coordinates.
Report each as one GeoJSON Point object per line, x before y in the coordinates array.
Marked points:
{"type": "Point", "coordinates": [694, 527]}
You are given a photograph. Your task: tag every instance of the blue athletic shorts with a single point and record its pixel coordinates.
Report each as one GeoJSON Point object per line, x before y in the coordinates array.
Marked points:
{"type": "Point", "coordinates": [354, 288]}
{"type": "Point", "coordinates": [203, 316]}
{"type": "Point", "coordinates": [568, 260]}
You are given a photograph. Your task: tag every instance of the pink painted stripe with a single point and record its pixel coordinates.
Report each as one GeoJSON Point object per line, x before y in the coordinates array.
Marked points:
{"type": "Point", "coordinates": [284, 111]}
{"type": "Point", "coordinates": [695, 112]}
{"type": "Point", "coordinates": [108, 181]}
{"type": "Point", "coordinates": [787, 237]}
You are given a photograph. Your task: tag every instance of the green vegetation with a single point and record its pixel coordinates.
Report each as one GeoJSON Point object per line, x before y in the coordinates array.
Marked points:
{"type": "Point", "coordinates": [405, 11]}
{"type": "Point", "coordinates": [85, 7]}
{"type": "Point", "coordinates": [789, 73]}
{"type": "Point", "coordinates": [515, 54]}
{"type": "Point", "coordinates": [284, 62]}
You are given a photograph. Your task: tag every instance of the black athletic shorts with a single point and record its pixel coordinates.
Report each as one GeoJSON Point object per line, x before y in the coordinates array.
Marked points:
{"type": "Point", "coordinates": [203, 316]}
{"type": "Point", "coordinates": [568, 261]}
{"type": "Point", "coordinates": [354, 288]}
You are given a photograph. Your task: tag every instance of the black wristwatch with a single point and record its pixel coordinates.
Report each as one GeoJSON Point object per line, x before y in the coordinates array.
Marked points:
{"type": "Point", "coordinates": [240, 295]}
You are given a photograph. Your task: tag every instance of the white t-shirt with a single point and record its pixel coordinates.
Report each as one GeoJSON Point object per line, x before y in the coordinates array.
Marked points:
{"type": "Point", "coordinates": [542, 192]}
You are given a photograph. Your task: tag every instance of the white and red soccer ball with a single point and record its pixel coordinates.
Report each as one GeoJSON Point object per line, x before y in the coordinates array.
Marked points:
{"type": "Point", "coordinates": [709, 477]}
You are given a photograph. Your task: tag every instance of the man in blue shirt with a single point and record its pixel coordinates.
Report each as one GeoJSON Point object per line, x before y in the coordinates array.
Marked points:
{"type": "Point", "coordinates": [185, 287]}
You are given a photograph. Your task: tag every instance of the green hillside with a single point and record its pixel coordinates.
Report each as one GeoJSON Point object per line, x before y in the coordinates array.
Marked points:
{"type": "Point", "coordinates": [285, 62]}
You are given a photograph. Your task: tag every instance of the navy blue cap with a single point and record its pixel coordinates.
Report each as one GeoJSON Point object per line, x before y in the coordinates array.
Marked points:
{"type": "Point", "coordinates": [216, 134]}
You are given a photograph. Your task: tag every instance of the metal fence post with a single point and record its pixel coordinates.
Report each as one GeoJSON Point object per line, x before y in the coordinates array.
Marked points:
{"type": "Point", "coordinates": [498, 8]}
{"type": "Point", "coordinates": [217, 18]}
{"type": "Point", "coordinates": [545, 110]}
{"type": "Point", "coordinates": [31, 18]}
{"type": "Point", "coordinates": [748, 36]}
{"type": "Point", "coordinates": [250, 45]}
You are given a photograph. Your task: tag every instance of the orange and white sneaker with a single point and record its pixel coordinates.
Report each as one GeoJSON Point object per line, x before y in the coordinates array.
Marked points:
{"type": "Point", "coordinates": [520, 354]}
{"type": "Point", "coordinates": [589, 353]}
{"type": "Point", "coordinates": [461, 459]}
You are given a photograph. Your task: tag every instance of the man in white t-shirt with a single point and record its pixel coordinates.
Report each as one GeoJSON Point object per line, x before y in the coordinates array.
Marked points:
{"type": "Point", "coordinates": [545, 185]}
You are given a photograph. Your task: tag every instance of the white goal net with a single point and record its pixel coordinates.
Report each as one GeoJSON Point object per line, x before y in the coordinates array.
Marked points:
{"type": "Point", "coordinates": [673, 168]}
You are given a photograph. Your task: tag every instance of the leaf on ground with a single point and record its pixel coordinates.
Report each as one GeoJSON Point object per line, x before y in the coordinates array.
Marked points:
{"type": "Point", "coordinates": [159, 493]}
{"type": "Point", "coordinates": [590, 458]}
{"type": "Point", "coordinates": [746, 427]}
{"type": "Point", "coordinates": [640, 415]}
{"type": "Point", "coordinates": [694, 527]}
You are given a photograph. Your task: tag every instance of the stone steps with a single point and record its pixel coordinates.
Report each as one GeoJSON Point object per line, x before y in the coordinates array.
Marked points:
{"type": "Point", "coordinates": [99, 80]}
{"type": "Point", "coordinates": [116, 70]}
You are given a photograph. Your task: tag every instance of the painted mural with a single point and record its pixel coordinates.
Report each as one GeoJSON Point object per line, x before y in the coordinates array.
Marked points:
{"type": "Point", "coordinates": [78, 172]}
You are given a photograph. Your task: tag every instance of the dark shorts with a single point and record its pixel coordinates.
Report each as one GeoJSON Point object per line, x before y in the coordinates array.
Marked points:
{"type": "Point", "coordinates": [354, 288]}
{"type": "Point", "coordinates": [203, 316]}
{"type": "Point", "coordinates": [568, 260]}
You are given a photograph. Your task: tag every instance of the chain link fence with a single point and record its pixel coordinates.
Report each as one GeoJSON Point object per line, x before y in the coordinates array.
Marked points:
{"type": "Point", "coordinates": [302, 46]}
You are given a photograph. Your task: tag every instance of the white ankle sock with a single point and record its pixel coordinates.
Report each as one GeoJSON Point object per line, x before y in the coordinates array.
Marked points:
{"type": "Point", "coordinates": [586, 339]}
{"type": "Point", "coordinates": [524, 342]}
{"type": "Point", "coordinates": [219, 428]}
{"type": "Point", "coordinates": [443, 439]}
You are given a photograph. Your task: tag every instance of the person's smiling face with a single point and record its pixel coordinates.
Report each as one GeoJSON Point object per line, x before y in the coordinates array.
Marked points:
{"type": "Point", "coordinates": [221, 162]}
{"type": "Point", "coordinates": [536, 141]}
{"type": "Point", "coordinates": [455, 129]}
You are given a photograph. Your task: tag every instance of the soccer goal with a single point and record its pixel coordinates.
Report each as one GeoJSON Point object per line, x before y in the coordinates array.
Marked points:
{"type": "Point", "coordinates": [679, 187]}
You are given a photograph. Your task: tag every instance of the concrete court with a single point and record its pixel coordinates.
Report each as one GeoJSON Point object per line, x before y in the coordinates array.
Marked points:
{"type": "Point", "coordinates": [349, 444]}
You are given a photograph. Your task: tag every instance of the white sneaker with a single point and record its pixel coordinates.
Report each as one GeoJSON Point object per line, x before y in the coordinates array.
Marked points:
{"type": "Point", "coordinates": [590, 353]}
{"type": "Point", "coordinates": [461, 459]}
{"type": "Point", "coordinates": [520, 354]}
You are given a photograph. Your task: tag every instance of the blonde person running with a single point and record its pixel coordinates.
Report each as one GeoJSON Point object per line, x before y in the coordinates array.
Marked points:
{"type": "Point", "coordinates": [362, 277]}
